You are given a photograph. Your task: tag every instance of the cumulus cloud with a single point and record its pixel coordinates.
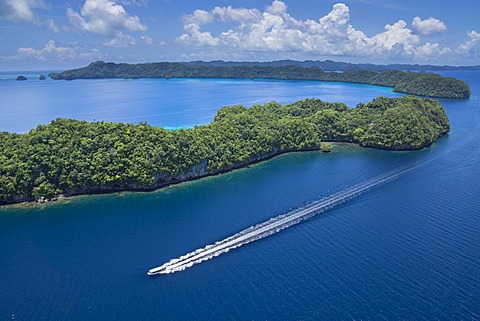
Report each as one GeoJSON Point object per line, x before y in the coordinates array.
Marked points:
{"type": "Point", "coordinates": [105, 18]}
{"type": "Point", "coordinates": [275, 30]}
{"type": "Point", "coordinates": [52, 52]}
{"type": "Point", "coordinates": [397, 40]}
{"type": "Point", "coordinates": [20, 10]}
{"type": "Point", "coordinates": [240, 15]}
{"type": "Point", "coordinates": [48, 52]}
{"type": "Point", "coordinates": [470, 48]}
{"type": "Point", "coordinates": [196, 37]}
{"type": "Point", "coordinates": [198, 17]}
{"type": "Point", "coordinates": [429, 50]}
{"type": "Point", "coordinates": [277, 7]}
{"type": "Point", "coordinates": [428, 26]}
{"type": "Point", "coordinates": [334, 34]}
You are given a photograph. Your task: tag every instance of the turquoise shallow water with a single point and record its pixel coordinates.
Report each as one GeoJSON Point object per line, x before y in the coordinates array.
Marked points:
{"type": "Point", "coordinates": [407, 250]}
{"type": "Point", "coordinates": [170, 103]}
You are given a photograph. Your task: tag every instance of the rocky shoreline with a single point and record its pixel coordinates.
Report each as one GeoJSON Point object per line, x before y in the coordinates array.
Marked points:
{"type": "Point", "coordinates": [162, 181]}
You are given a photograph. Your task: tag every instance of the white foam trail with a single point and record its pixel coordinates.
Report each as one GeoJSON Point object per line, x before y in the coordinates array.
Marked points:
{"type": "Point", "coordinates": [275, 224]}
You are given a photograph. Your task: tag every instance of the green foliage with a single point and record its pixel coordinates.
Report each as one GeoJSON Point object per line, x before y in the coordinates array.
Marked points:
{"type": "Point", "coordinates": [325, 147]}
{"type": "Point", "coordinates": [432, 85]}
{"type": "Point", "coordinates": [429, 85]}
{"type": "Point", "coordinates": [73, 157]}
{"type": "Point", "coordinates": [412, 124]}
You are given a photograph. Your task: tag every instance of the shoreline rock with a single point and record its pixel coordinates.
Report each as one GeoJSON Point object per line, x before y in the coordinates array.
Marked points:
{"type": "Point", "coordinates": [195, 173]}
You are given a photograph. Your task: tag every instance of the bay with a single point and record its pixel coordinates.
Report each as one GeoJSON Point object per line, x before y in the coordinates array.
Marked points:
{"type": "Point", "coordinates": [407, 250]}
{"type": "Point", "coordinates": [169, 103]}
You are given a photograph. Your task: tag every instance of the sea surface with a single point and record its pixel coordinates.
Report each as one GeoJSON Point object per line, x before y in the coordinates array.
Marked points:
{"type": "Point", "coordinates": [169, 103]}
{"type": "Point", "coordinates": [409, 249]}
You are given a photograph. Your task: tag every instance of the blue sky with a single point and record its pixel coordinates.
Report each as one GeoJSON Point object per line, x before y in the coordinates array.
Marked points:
{"type": "Point", "coordinates": [52, 34]}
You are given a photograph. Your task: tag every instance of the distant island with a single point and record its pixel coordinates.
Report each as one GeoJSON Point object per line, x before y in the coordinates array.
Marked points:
{"type": "Point", "coordinates": [414, 83]}
{"type": "Point", "coordinates": [330, 65]}
{"type": "Point", "coordinates": [71, 157]}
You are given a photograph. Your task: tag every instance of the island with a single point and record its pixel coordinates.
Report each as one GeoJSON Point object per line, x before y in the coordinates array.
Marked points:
{"type": "Point", "coordinates": [415, 83]}
{"type": "Point", "coordinates": [21, 78]}
{"type": "Point", "coordinates": [72, 157]}
{"type": "Point", "coordinates": [330, 65]}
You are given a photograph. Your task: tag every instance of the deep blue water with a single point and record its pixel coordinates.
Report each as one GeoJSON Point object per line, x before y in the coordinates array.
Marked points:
{"type": "Point", "coordinates": [407, 250]}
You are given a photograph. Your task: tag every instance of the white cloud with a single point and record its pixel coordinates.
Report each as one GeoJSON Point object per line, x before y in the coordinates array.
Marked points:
{"type": "Point", "coordinates": [241, 15]}
{"type": "Point", "coordinates": [54, 27]}
{"type": "Point", "coordinates": [147, 39]}
{"type": "Point", "coordinates": [428, 26]}
{"type": "Point", "coordinates": [105, 18]}
{"type": "Point", "coordinates": [429, 50]}
{"type": "Point", "coordinates": [93, 54]}
{"type": "Point", "coordinates": [196, 37]}
{"type": "Point", "coordinates": [275, 30]}
{"type": "Point", "coordinates": [470, 48]}
{"type": "Point", "coordinates": [48, 52]}
{"type": "Point", "coordinates": [334, 34]}
{"type": "Point", "coordinates": [120, 40]}
{"type": "Point", "coordinates": [20, 10]}
{"type": "Point", "coordinates": [277, 8]}
{"type": "Point", "coordinates": [52, 52]}
{"type": "Point", "coordinates": [198, 17]}
{"type": "Point", "coordinates": [396, 40]}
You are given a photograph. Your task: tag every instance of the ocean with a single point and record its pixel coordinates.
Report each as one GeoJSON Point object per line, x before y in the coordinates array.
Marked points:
{"type": "Point", "coordinates": [409, 249]}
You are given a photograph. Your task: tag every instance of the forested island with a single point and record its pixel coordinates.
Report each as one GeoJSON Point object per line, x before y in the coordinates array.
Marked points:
{"type": "Point", "coordinates": [72, 157]}
{"type": "Point", "coordinates": [415, 83]}
{"type": "Point", "coordinates": [330, 65]}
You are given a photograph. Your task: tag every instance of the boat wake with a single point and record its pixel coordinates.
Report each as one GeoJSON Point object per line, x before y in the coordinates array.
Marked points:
{"type": "Point", "coordinates": [276, 224]}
